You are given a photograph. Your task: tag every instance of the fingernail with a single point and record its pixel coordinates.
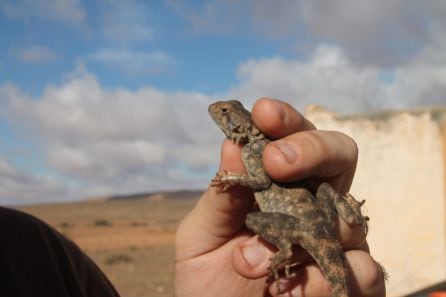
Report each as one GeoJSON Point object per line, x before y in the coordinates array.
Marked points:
{"type": "Point", "coordinates": [280, 109]}
{"type": "Point", "coordinates": [254, 254]}
{"type": "Point", "coordinates": [282, 113]}
{"type": "Point", "coordinates": [287, 150]}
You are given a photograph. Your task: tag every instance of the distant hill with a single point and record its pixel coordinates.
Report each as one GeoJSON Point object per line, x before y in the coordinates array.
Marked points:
{"type": "Point", "coordinates": [180, 194]}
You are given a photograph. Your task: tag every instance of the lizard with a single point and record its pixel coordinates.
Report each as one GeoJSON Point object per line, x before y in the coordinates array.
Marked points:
{"type": "Point", "coordinates": [290, 214]}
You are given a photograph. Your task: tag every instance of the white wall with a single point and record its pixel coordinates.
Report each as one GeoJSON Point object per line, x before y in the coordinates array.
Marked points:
{"type": "Point", "coordinates": [401, 174]}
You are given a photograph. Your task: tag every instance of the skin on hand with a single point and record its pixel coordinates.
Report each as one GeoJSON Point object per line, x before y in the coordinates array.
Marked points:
{"type": "Point", "coordinates": [217, 256]}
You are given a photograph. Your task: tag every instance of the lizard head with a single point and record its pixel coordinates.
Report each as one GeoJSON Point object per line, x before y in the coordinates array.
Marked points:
{"type": "Point", "coordinates": [234, 120]}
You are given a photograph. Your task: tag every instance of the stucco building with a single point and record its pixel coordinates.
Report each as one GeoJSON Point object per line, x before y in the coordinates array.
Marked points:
{"type": "Point", "coordinates": [402, 175]}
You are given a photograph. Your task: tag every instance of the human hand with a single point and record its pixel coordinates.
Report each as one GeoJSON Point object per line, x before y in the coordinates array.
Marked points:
{"type": "Point", "coordinates": [217, 256]}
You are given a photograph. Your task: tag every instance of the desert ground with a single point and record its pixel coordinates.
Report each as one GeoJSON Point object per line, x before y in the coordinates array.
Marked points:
{"type": "Point", "coordinates": [130, 238]}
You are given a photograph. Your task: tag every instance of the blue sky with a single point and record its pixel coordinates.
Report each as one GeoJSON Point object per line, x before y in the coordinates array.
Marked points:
{"type": "Point", "coordinates": [124, 43]}
{"type": "Point", "coordinates": [110, 97]}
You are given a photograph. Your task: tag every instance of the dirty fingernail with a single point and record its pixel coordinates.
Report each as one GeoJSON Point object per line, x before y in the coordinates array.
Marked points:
{"type": "Point", "coordinates": [254, 254]}
{"type": "Point", "coordinates": [287, 150]}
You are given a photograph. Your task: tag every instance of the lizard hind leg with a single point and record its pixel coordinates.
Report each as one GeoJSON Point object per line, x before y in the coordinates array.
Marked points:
{"type": "Point", "coordinates": [282, 231]}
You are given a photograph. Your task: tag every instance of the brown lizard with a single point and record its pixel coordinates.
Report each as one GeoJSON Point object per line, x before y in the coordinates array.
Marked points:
{"type": "Point", "coordinates": [289, 213]}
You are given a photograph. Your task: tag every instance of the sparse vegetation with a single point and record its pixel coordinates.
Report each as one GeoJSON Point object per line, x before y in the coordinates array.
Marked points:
{"type": "Point", "coordinates": [102, 222]}
{"type": "Point", "coordinates": [64, 225]}
{"type": "Point", "coordinates": [118, 258]}
{"type": "Point", "coordinates": [131, 240]}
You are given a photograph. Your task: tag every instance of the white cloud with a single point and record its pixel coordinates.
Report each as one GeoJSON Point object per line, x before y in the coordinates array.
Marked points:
{"type": "Point", "coordinates": [104, 159]}
{"type": "Point", "coordinates": [330, 78]}
{"type": "Point", "coordinates": [114, 141]}
{"type": "Point", "coordinates": [119, 141]}
{"type": "Point", "coordinates": [18, 186]}
{"type": "Point", "coordinates": [63, 11]}
{"type": "Point", "coordinates": [378, 32]}
{"type": "Point", "coordinates": [134, 62]}
{"type": "Point", "coordinates": [34, 54]}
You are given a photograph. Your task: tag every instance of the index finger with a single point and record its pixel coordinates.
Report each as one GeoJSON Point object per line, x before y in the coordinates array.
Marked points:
{"type": "Point", "coordinates": [278, 119]}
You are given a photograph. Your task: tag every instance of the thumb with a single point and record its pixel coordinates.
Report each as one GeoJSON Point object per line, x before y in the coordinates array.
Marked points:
{"type": "Point", "coordinates": [218, 215]}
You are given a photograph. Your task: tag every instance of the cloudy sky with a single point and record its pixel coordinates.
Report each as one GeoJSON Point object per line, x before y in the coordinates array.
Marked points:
{"type": "Point", "coordinates": [110, 97]}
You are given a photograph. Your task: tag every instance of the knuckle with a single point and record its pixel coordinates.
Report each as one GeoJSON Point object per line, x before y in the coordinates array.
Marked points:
{"type": "Point", "coordinates": [331, 152]}
{"type": "Point", "coordinates": [315, 142]}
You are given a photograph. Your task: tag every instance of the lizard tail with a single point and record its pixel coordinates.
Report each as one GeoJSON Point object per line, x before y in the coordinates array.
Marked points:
{"type": "Point", "coordinates": [331, 260]}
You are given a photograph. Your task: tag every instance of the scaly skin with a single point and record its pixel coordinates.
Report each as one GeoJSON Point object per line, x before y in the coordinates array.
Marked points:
{"type": "Point", "coordinates": [289, 213]}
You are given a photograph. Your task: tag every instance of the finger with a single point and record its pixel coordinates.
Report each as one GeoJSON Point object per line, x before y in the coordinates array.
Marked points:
{"type": "Point", "coordinates": [366, 279]}
{"type": "Point", "coordinates": [278, 119]}
{"type": "Point", "coordinates": [251, 258]}
{"type": "Point", "coordinates": [324, 155]}
{"type": "Point", "coordinates": [217, 216]}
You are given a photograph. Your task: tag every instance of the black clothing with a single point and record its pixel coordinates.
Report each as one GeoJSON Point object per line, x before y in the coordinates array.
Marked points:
{"type": "Point", "coordinates": [36, 260]}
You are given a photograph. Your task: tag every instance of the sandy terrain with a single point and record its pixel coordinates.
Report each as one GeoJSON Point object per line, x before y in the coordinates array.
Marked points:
{"type": "Point", "coordinates": [130, 239]}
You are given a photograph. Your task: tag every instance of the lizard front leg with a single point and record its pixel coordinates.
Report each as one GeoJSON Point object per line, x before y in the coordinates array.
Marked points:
{"type": "Point", "coordinates": [225, 179]}
{"type": "Point", "coordinates": [346, 205]}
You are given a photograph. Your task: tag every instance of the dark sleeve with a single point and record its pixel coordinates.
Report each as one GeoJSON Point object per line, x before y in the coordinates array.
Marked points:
{"type": "Point", "coordinates": [36, 260]}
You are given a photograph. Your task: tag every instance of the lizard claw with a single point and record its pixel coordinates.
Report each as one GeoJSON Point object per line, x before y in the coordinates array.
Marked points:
{"type": "Point", "coordinates": [220, 180]}
{"type": "Point", "coordinates": [288, 273]}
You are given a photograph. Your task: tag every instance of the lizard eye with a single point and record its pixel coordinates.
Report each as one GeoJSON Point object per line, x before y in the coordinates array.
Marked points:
{"type": "Point", "coordinates": [224, 110]}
